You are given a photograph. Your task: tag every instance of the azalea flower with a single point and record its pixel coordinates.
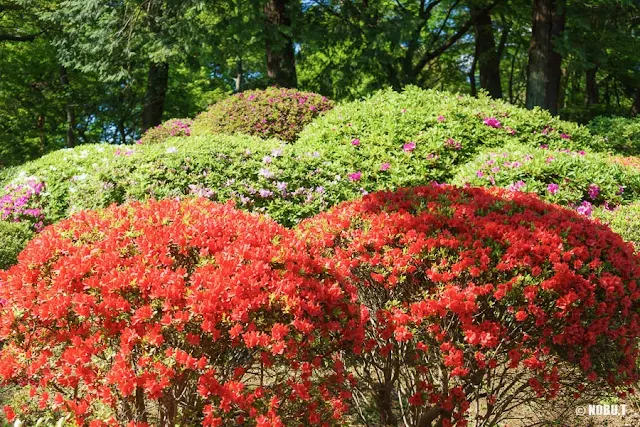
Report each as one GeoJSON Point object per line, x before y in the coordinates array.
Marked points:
{"type": "Point", "coordinates": [355, 176]}
{"type": "Point", "coordinates": [355, 142]}
{"type": "Point", "coordinates": [409, 147]}
{"type": "Point", "coordinates": [553, 188]}
{"type": "Point", "coordinates": [585, 208]}
{"type": "Point", "coordinates": [492, 122]}
{"type": "Point", "coordinates": [385, 166]}
{"type": "Point", "coordinates": [441, 118]}
{"type": "Point", "coordinates": [171, 150]}
{"type": "Point", "coordinates": [594, 190]}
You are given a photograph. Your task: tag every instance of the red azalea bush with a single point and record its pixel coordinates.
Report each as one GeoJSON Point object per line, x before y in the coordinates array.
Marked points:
{"type": "Point", "coordinates": [477, 297]}
{"type": "Point", "coordinates": [175, 313]}
{"type": "Point", "coordinates": [270, 113]}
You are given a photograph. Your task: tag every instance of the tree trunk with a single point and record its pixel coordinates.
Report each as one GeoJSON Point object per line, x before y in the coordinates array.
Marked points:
{"type": "Point", "coordinates": [593, 95]}
{"type": "Point", "coordinates": [71, 114]}
{"type": "Point", "coordinates": [635, 109]}
{"type": "Point", "coordinates": [472, 74]}
{"type": "Point", "coordinates": [239, 79]}
{"type": "Point", "coordinates": [281, 63]}
{"type": "Point", "coordinates": [512, 72]}
{"type": "Point", "coordinates": [157, 84]}
{"type": "Point", "coordinates": [544, 73]}
{"type": "Point", "coordinates": [486, 53]}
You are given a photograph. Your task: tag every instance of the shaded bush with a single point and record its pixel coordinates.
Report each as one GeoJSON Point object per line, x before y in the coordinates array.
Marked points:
{"type": "Point", "coordinates": [189, 312]}
{"type": "Point", "coordinates": [619, 135]}
{"type": "Point", "coordinates": [270, 113]}
{"type": "Point", "coordinates": [166, 130]}
{"type": "Point", "coordinates": [479, 300]}
{"type": "Point", "coordinates": [13, 237]}
{"type": "Point", "coordinates": [439, 130]}
{"type": "Point", "coordinates": [568, 178]}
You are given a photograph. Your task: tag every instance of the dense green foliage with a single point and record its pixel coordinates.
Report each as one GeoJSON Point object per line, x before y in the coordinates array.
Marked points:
{"type": "Point", "coordinates": [620, 135]}
{"type": "Point", "coordinates": [624, 220]}
{"type": "Point", "coordinates": [446, 130]}
{"type": "Point", "coordinates": [568, 178]}
{"type": "Point", "coordinates": [85, 71]}
{"type": "Point", "coordinates": [270, 113]}
{"type": "Point", "coordinates": [14, 236]}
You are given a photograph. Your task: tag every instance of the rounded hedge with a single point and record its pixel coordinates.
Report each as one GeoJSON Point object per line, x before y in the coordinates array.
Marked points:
{"type": "Point", "coordinates": [14, 236]}
{"type": "Point", "coordinates": [619, 135]}
{"type": "Point", "coordinates": [479, 299]}
{"type": "Point", "coordinates": [190, 312]}
{"type": "Point", "coordinates": [166, 130]}
{"type": "Point", "coordinates": [271, 113]}
{"type": "Point", "coordinates": [439, 130]}
{"type": "Point", "coordinates": [624, 220]}
{"type": "Point", "coordinates": [569, 178]}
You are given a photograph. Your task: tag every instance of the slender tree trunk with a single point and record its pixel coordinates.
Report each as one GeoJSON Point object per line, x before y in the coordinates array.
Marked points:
{"type": "Point", "coordinates": [544, 73]}
{"type": "Point", "coordinates": [71, 114]}
{"type": "Point", "coordinates": [239, 79]}
{"type": "Point", "coordinates": [635, 109]}
{"type": "Point", "coordinates": [486, 53]}
{"type": "Point", "coordinates": [512, 72]}
{"type": "Point", "coordinates": [472, 74]}
{"type": "Point", "coordinates": [593, 94]}
{"type": "Point", "coordinates": [281, 63]}
{"type": "Point", "coordinates": [41, 131]}
{"type": "Point", "coordinates": [157, 84]}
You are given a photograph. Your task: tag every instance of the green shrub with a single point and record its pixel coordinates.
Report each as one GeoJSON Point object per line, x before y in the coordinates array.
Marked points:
{"type": "Point", "coordinates": [625, 220]}
{"type": "Point", "coordinates": [271, 113]}
{"type": "Point", "coordinates": [168, 129]}
{"type": "Point", "coordinates": [446, 129]}
{"type": "Point", "coordinates": [13, 237]}
{"type": "Point", "coordinates": [288, 182]}
{"type": "Point", "coordinates": [619, 135]}
{"type": "Point", "coordinates": [564, 177]}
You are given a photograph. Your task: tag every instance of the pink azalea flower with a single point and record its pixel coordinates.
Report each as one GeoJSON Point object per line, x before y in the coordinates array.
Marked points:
{"type": "Point", "coordinates": [492, 122]}
{"type": "Point", "coordinates": [409, 147]}
{"type": "Point", "coordinates": [553, 188]}
{"type": "Point", "coordinates": [441, 118]}
{"type": "Point", "coordinates": [355, 142]}
{"type": "Point", "coordinates": [385, 166]}
{"type": "Point", "coordinates": [355, 176]}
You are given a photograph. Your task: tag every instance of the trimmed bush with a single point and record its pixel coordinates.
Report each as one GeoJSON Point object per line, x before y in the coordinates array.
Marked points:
{"type": "Point", "coordinates": [624, 220]}
{"type": "Point", "coordinates": [619, 135]}
{"type": "Point", "coordinates": [189, 312]}
{"type": "Point", "coordinates": [168, 129]}
{"type": "Point", "coordinates": [439, 131]}
{"type": "Point", "coordinates": [284, 181]}
{"type": "Point", "coordinates": [577, 179]}
{"type": "Point", "coordinates": [271, 113]}
{"type": "Point", "coordinates": [13, 237]}
{"type": "Point", "coordinates": [479, 300]}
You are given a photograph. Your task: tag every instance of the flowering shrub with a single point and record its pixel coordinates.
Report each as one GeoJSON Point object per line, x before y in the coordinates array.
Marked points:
{"type": "Point", "coordinates": [426, 134]}
{"type": "Point", "coordinates": [624, 220]}
{"type": "Point", "coordinates": [619, 135]}
{"type": "Point", "coordinates": [633, 162]}
{"type": "Point", "coordinates": [21, 203]}
{"type": "Point", "coordinates": [479, 296]}
{"type": "Point", "coordinates": [14, 236]}
{"type": "Point", "coordinates": [166, 130]}
{"type": "Point", "coordinates": [270, 113]}
{"type": "Point", "coordinates": [179, 313]}
{"type": "Point", "coordinates": [570, 178]}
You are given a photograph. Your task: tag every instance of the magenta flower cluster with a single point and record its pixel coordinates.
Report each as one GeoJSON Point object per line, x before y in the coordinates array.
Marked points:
{"type": "Point", "coordinates": [21, 203]}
